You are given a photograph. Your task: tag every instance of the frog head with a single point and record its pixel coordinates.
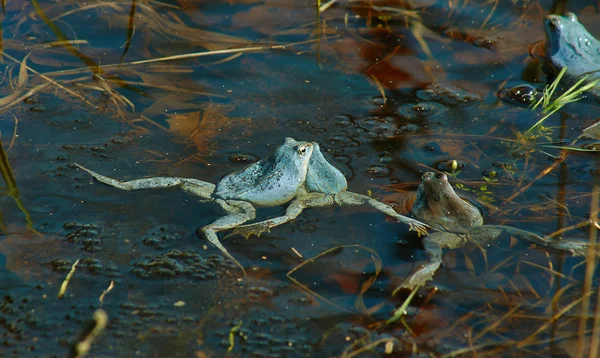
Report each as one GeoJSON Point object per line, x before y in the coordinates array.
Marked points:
{"type": "Point", "coordinates": [294, 154]}
{"type": "Point", "coordinates": [569, 44]}
{"type": "Point", "coordinates": [438, 204]}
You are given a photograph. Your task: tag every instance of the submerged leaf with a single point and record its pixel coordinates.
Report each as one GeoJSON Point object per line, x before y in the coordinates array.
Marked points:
{"type": "Point", "coordinates": [203, 128]}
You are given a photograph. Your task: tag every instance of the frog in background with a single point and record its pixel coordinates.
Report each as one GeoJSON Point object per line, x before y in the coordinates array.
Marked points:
{"type": "Point", "coordinates": [458, 222]}
{"type": "Point", "coordinates": [570, 45]}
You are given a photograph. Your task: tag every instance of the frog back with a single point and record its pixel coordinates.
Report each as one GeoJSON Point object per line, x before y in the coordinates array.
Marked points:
{"type": "Point", "coordinates": [322, 176]}
{"type": "Point", "coordinates": [272, 181]}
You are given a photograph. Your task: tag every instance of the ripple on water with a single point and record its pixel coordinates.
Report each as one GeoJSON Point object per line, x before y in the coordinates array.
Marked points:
{"type": "Point", "coordinates": [420, 110]}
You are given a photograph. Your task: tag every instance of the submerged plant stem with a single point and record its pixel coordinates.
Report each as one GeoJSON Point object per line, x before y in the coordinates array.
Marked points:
{"type": "Point", "coordinates": [11, 184]}
{"type": "Point", "coordinates": [587, 284]}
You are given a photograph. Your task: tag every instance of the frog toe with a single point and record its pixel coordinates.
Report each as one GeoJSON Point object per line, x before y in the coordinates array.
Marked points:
{"type": "Point", "coordinates": [418, 227]}
{"type": "Point", "coordinates": [248, 230]}
{"type": "Point", "coordinates": [419, 277]}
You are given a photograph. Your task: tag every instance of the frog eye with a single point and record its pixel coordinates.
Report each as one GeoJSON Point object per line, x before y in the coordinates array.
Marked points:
{"type": "Point", "coordinates": [441, 176]}
{"type": "Point", "coordinates": [553, 24]}
{"type": "Point", "coordinates": [302, 149]}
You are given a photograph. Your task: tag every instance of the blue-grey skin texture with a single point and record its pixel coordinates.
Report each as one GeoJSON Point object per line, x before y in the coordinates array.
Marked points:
{"type": "Point", "coordinates": [324, 177]}
{"type": "Point", "coordinates": [272, 181]}
{"type": "Point", "coordinates": [569, 44]}
{"type": "Point", "coordinates": [281, 178]}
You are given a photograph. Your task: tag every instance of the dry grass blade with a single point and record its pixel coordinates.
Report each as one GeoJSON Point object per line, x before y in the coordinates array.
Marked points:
{"type": "Point", "coordinates": [369, 347]}
{"type": "Point", "coordinates": [557, 296]}
{"type": "Point", "coordinates": [496, 323]}
{"type": "Point", "coordinates": [555, 273]}
{"type": "Point", "coordinates": [59, 34]}
{"type": "Point", "coordinates": [560, 232]}
{"type": "Point", "coordinates": [82, 348]}
{"type": "Point", "coordinates": [29, 93]}
{"type": "Point", "coordinates": [399, 11]}
{"type": "Point", "coordinates": [21, 84]}
{"type": "Point", "coordinates": [589, 276]}
{"type": "Point", "coordinates": [65, 284]}
{"type": "Point", "coordinates": [51, 81]}
{"type": "Point", "coordinates": [531, 338]}
{"type": "Point", "coordinates": [130, 29]}
{"type": "Point", "coordinates": [326, 6]}
{"type": "Point", "coordinates": [87, 7]}
{"type": "Point", "coordinates": [380, 88]}
{"type": "Point", "coordinates": [475, 349]}
{"type": "Point", "coordinates": [11, 186]}
{"type": "Point", "coordinates": [2, 40]}
{"type": "Point", "coordinates": [61, 44]}
{"type": "Point", "coordinates": [169, 88]}
{"type": "Point", "coordinates": [110, 287]}
{"type": "Point", "coordinates": [417, 29]}
{"type": "Point", "coordinates": [360, 303]}
{"type": "Point", "coordinates": [325, 253]}
{"type": "Point", "coordinates": [14, 136]}
{"type": "Point", "coordinates": [185, 56]}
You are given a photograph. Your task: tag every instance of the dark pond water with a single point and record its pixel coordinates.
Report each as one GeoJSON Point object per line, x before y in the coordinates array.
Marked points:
{"type": "Point", "coordinates": [389, 90]}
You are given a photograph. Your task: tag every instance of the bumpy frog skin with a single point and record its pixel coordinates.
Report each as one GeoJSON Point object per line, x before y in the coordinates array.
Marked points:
{"type": "Point", "coordinates": [324, 177]}
{"type": "Point", "coordinates": [569, 44]}
{"type": "Point", "coordinates": [296, 173]}
{"type": "Point", "coordinates": [460, 222]}
{"type": "Point", "coordinates": [325, 186]}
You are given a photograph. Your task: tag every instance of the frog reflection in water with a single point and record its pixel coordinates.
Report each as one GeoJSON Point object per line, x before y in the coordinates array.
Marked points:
{"type": "Point", "coordinates": [296, 173]}
{"type": "Point", "coordinates": [569, 44]}
{"type": "Point", "coordinates": [459, 222]}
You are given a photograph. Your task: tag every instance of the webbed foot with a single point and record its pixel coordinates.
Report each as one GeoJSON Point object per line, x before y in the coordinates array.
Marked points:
{"type": "Point", "coordinates": [252, 229]}
{"type": "Point", "coordinates": [419, 277]}
{"type": "Point", "coordinates": [417, 226]}
{"type": "Point", "coordinates": [575, 248]}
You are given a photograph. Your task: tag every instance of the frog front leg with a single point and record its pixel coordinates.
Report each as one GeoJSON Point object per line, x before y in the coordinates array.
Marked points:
{"type": "Point", "coordinates": [295, 208]}
{"type": "Point", "coordinates": [238, 213]}
{"type": "Point", "coordinates": [433, 245]}
{"type": "Point", "coordinates": [350, 198]}
{"type": "Point", "coordinates": [195, 187]}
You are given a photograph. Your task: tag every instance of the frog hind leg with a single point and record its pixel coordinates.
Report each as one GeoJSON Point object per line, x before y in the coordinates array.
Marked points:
{"type": "Point", "coordinates": [238, 212]}
{"type": "Point", "coordinates": [350, 198]}
{"type": "Point", "coordinates": [195, 187]}
{"type": "Point", "coordinates": [295, 208]}
{"type": "Point", "coordinates": [433, 245]}
{"type": "Point", "coordinates": [491, 232]}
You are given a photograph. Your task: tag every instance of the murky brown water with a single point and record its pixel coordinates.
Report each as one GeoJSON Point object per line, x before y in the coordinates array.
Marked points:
{"type": "Point", "coordinates": [174, 295]}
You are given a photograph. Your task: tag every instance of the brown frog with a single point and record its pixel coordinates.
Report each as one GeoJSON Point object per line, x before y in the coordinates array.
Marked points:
{"type": "Point", "coordinates": [459, 222]}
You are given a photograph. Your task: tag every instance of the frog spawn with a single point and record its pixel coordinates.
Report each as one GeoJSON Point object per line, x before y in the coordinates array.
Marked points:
{"type": "Point", "coordinates": [297, 173]}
